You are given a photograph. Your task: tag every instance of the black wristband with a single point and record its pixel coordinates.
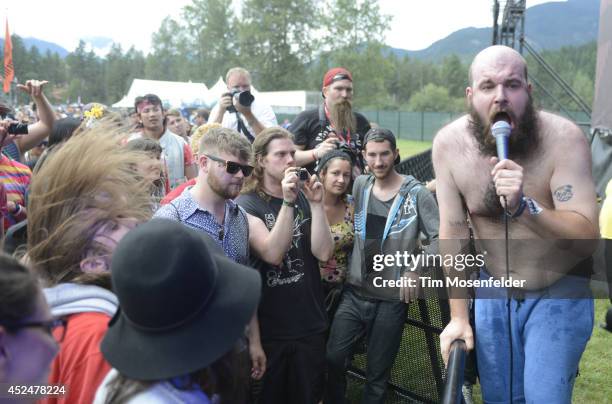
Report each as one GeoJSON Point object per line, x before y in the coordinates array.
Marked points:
{"type": "Point", "coordinates": [287, 203]}
{"type": "Point", "coordinates": [17, 209]}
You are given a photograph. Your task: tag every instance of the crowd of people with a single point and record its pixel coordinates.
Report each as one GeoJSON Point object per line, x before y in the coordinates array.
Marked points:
{"type": "Point", "coordinates": [222, 258]}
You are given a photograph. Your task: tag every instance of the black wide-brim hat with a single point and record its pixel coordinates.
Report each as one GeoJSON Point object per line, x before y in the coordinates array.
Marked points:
{"type": "Point", "coordinates": [182, 303]}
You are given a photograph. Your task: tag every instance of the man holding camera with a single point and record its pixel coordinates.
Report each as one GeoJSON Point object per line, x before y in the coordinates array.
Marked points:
{"type": "Point", "coordinates": [332, 125]}
{"type": "Point", "coordinates": [14, 176]}
{"type": "Point", "coordinates": [21, 137]}
{"type": "Point", "coordinates": [291, 315]}
{"type": "Point", "coordinates": [239, 110]}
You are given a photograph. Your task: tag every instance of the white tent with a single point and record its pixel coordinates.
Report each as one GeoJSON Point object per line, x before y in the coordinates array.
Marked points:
{"type": "Point", "coordinates": [290, 102]}
{"type": "Point", "coordinates": [214, 93]}
{"type": "Point", "coordinates": [174, 94]}
{"type": "Point", "coordinates": [219, 88]}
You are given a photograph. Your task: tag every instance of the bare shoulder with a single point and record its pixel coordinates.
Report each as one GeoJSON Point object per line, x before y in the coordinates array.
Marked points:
{"type": "Point", "coordinates": [451, 137]}
{"type": "Point", "coordinates": [561, 134]}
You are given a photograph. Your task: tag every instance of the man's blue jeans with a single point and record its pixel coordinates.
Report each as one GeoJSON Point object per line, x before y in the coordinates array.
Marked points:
{"type": "Point", "coordinates": [548, 334]}
{"type": "Point", "coordinates": [382, 322]}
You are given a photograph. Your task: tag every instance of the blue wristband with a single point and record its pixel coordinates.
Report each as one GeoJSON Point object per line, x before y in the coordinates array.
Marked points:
{"type": "Point", "coordinates": [520, 209]}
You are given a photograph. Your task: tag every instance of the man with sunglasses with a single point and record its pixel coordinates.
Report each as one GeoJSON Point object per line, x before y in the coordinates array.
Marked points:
{"type": "Point", "coordinates": [333, 125]}
{"type": "Point", "coordinates": [208, 206]}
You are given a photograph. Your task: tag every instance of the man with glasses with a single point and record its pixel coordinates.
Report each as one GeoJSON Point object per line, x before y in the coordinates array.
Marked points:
{"type": "Point", "coordinates": [233, 112]}
{"type": "Point", "coordinates": [208, 206]}
{"type": "Point", "coordinates": [333, 125]}
{"type": "Point", "coordinates": [26, 345]}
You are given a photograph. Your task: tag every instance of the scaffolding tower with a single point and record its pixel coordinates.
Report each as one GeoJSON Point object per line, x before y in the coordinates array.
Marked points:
{"type": "Point", "coordinates": [511, 33]}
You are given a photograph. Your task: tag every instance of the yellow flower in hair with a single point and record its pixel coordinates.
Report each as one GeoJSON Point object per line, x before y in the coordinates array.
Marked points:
{"type": "Point", "coordinates": [95, 112]}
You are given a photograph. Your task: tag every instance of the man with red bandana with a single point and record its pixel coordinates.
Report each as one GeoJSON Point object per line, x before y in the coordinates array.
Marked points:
{"type": "Point", "coordinates": [332, 125]}
{"type": "Point", "coordinates": [529, 338]}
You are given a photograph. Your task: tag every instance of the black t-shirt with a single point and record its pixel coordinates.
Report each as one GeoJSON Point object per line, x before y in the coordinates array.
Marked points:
{"type": "Point", "coordinates": [375, 229]}
{"type": "Point", "coordinates": [307, 130]}
{"type": "Point", "coordinates": [291, 304]}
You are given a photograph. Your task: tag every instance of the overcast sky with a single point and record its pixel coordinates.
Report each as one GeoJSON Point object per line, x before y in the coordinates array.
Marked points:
{"type": "Point", "coordinates": [416, 24]}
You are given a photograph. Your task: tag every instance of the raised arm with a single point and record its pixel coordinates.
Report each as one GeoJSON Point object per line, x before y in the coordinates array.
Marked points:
{"type": "Point", "coordinates": [41, 129]}
{"type": "Point", "coordinates": [272, 245]}
{"type": "Point", "coordinates": [321, 241]}
{"type": "Point", "coordinates": [304, 157]}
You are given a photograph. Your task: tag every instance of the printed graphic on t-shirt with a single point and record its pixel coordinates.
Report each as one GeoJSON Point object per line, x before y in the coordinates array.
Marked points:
{"type": "Point", "coordinates": [291, 269]}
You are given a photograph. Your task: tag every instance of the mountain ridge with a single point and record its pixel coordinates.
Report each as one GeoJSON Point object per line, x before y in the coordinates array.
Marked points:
{"type": "Point", "coordinates": [548, 26]}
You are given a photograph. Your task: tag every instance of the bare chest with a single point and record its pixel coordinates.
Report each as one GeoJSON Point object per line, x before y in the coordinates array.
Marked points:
{"type": "Point", "coordinates": [473, 178]}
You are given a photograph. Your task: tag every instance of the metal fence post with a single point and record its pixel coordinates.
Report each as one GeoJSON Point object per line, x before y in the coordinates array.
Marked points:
{"type": "Point", "coordinates": [422, 125]}
{"type": "Point", "coordinates": [399, 124]}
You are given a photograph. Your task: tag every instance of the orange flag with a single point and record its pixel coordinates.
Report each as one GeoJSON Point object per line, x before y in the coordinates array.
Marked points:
{"type": "Point", "coordinates": [9, 73]}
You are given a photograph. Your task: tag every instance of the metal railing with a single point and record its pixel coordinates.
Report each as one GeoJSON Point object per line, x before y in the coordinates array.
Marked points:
{"type": "Point", "coordinates": [454, 373]}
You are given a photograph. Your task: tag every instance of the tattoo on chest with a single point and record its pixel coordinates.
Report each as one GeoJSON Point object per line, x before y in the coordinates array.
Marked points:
{"type": "Point", "coordinates": [564, 193]}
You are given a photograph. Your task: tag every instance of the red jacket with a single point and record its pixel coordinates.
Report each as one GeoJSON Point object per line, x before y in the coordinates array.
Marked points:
{"type": "Point", "coordinates": [80, 365]}
{"type": "Point", "coordinates": [176, 192]}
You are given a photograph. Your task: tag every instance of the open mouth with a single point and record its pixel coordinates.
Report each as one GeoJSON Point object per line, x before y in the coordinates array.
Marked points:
{"type": "Point", "coordinates": [503, 116]}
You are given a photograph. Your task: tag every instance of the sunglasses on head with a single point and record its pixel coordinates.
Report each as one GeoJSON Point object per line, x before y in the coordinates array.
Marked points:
{"type": "Point", "coordinates": [231, 167]}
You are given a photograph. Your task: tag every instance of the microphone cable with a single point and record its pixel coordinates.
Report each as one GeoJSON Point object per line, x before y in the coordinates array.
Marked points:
{"type": "Point", "coordinates": [509, 298]}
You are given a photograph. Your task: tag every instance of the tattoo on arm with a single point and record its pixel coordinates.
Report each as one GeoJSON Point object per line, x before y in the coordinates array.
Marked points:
{"type": "Point", "coordinates": [564, 193]}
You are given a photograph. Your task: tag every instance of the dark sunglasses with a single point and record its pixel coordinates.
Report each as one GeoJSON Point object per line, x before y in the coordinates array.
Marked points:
{"type": "Point", "coordinates": [231, 166]}
{"type": "Point", "coordinates": [49, 326]}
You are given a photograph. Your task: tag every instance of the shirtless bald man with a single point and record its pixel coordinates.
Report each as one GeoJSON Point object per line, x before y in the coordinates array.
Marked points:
{"type": "Point", "coordinates": [552, 215]}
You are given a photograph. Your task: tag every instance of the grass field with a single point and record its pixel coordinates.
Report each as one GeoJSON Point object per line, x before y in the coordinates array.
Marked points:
{"type": "Point", "coordinates": [592, 385]}
{"type": "Point", "coordinates": [411, 147]}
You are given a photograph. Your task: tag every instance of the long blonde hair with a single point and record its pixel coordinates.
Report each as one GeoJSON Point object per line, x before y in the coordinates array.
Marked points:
{"type": "Point", "coordinates": [87, 184]}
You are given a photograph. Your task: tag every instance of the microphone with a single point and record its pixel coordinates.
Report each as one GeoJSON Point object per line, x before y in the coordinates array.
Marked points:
{"type": "Point", "coordinates": [501, 132]}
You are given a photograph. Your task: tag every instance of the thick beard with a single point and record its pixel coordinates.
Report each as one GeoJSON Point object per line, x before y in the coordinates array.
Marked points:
{"type": "Point", "coordinates": [524, 138]}
{"type": "Point", "coordinates": [342, 117]}
{"type": "Point", "coordinates": [217, 188]}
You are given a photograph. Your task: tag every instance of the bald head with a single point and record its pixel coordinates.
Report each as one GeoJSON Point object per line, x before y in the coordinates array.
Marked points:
{"type": "Point", "coordinates": [496, 57]}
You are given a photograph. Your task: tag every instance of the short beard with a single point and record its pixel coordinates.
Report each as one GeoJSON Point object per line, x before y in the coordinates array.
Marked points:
{"type": "Point", "coordinates": [523, 140]}
{"type": "Point", "coordinates": [379, 176]}
{"type": "Point", "coordinates": [342, 117]}
{"type": "Point", "coordinates": [217, 188]}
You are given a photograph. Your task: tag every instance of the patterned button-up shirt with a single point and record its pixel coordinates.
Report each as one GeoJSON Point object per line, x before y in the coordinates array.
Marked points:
{"type": "Point", "coordinates": [232, 235]}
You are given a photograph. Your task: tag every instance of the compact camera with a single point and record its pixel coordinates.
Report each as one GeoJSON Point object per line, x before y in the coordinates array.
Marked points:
{"type": "Point", "coordinates": [18, 129]}
{"type": "Point", "coordinates": [303, 174]}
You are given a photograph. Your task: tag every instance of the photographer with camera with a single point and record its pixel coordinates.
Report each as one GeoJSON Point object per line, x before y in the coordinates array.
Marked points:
{"type": "Point", "coordinates": [17, 138]}
{"type": "Point", "coordinates": [333, 125]}
{"type": "Point", "coordinates": [291, 314]}
{"type": "Point", "coordinates": [14, 176]}
{"type": "Point", "coordinates": [239, 110]}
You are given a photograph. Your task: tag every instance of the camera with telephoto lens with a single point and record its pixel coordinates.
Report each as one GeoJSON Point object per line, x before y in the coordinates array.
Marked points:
{"type": "Point", "coordinates": [18, 129]}
{"type": "Point", "coordinates": [245, 98]}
